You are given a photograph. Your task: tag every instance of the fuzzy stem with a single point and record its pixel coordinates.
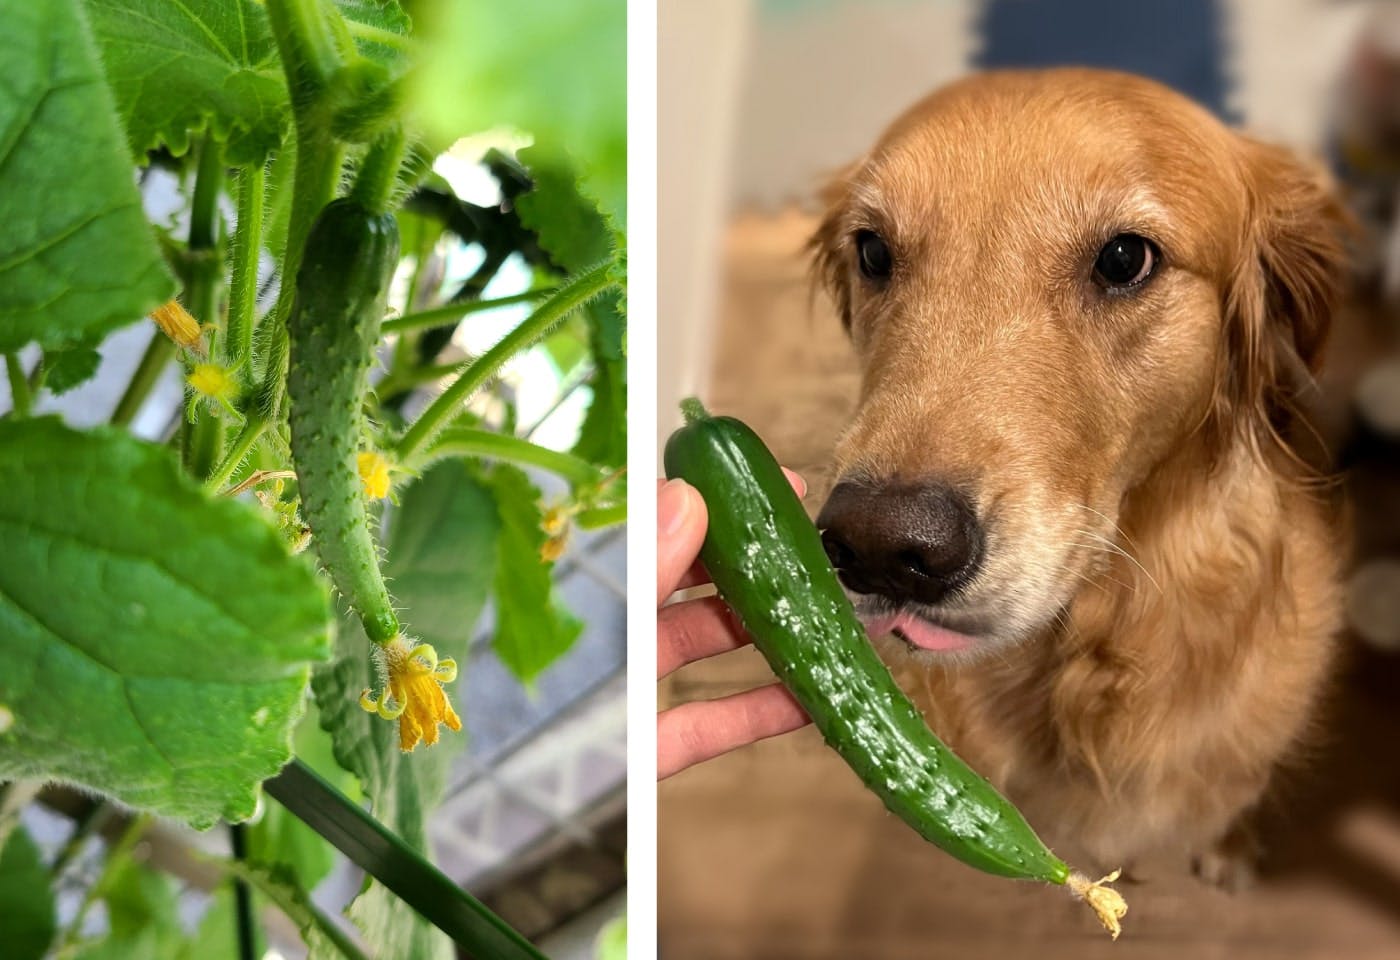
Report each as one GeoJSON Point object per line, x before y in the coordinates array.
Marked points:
{"type": "Point", "coordinates": [22, 400]}
{"type": "Point", "coordinates": [91, 820]}
{"type": "Point", "coordinates": [307, 46]}
{"type": "Point", "coordinates": [693, 410]}
{"type": "Point", "coordinates": [596, 518]}
{"type": "Point", "coordinates": [379, 171]}
{"type": "Point", "coordinates": [372, 34]}
{"type": "Point", "coordinates": [115, 860]}
{"type": "Point", "coordinates": [243, 286]}
{"type": "Point", "coordinates": [573, 294]}
{"type": "Point", "coordinates": [250, 434]}
{"type": "Point", "coordinates": [470, 442]}
{"type": "Point", "coordinates": [204, 437]}
{"type": "Point", "coordinates": [446, 313]}
{"type": "Point", "coordinates": [310, 58]}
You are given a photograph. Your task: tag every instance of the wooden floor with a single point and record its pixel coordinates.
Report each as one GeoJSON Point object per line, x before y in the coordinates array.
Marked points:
{"type": "Point", "coordinates": [777, 852]}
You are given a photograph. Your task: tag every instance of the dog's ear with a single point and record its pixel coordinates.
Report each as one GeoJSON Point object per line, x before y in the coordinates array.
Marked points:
{"type": "Point", "coordinates": [829, 247]}
{"type": "Point", "coordinates": [1280, 296]}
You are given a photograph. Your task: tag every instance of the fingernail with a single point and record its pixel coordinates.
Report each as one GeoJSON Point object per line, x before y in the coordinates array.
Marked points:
{"type": "Point", "coordinates": [673, 506]}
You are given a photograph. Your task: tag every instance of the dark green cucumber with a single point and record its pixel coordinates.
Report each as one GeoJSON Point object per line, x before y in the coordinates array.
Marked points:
{"type": "Point", "coordinates": [341, 290]}
{"type": "Point", "coordinates": [766, 558]}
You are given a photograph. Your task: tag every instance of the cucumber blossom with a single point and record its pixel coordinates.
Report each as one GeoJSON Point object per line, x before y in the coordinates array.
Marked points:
{"type": "Point", "coordinates": [341, 290]}
{"type": "Point", "coordinates": [766, 558]}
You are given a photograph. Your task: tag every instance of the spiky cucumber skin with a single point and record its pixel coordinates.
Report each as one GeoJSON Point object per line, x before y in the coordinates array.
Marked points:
{"type": "Point", "coordinates": [342, 288]}
{"type": "Point", "coordinates": [766, 558]}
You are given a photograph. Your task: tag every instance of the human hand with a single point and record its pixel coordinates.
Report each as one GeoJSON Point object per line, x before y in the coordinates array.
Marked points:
{"type": "Point", "coordinates": [696, 629]}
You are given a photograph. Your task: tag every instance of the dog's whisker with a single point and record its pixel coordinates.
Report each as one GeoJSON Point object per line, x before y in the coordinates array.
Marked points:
{"type": "Point", "coordinates": [1097, 547]}
{"type": "Point", "coordinates": [1117, 528]}
{"type": "Point", "coordinates": [1115, 548]}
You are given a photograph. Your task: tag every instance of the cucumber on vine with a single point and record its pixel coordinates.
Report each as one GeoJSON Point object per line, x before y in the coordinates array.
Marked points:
{"type": "Point", "coordinates": [342, 287]}
{"type": "Point", "coordinates": [766, 558]}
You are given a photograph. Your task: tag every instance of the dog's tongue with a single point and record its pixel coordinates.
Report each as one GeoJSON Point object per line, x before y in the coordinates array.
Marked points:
{"type": "Point", "coordinates": [919, 632]}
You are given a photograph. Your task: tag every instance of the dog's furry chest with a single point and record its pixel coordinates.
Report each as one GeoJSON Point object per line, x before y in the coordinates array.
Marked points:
{"type": "Point", "coordinates": [1150, 717]}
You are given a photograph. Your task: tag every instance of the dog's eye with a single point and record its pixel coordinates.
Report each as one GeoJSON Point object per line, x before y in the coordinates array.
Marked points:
{"type": "Point", "coordinates": [1125, 261]}
{"type": "Point", "coordinates": [875, 260]}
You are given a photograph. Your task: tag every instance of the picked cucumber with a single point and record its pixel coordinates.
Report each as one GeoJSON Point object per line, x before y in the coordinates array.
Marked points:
{"type": "Point", "coordinates": [766, 558]}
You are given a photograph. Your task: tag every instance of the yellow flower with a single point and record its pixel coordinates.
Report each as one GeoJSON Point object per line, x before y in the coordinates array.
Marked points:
{"type": "Point", "coordinates": [214, 381]}
{"type": "Point", "coordinates": [553, 548]}
{"type": "Point", "coordinates": [374, 474]}
{"type": "Point", "coordinates": [415, 697]}
{"type": "Point", "coordinates": [177, 324]}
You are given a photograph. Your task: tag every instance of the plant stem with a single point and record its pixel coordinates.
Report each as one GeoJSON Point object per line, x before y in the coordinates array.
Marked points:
{"type": "Point", "coordinates": [89, 823]}
{"type": "Point", "coordinates": [242, 895]}
{"type": "Point", "coordinates": [573, 294]}
{"type": "Point", "coordinates": [115, 860]}
{"type": "Point", "coordinates": [596, 518]}
{"type": "Point", "coordinates": [471, 442]}
{"type": "Point", "coordinates": [379, 171]}
{"type": "Point", "coordinates": [250, 434]}
{"type": "Point", "coordinates": [243, 284]}
{"type": "Point", "coordinates": [384, 856]}
{"type": "Point", "coordinates": [153, 362]}
{"type": "Point", "coordinates": [395, 384]}
{"type": "Point", "coordinates": [446, 313]}
{"type": "Point", "coordinates": [204, 436]}
{"type": "Point", "coordinates": [296, 904]}
{"type": "Point", "coordinates": [22, 401]}
{"type": "Point", "coordinates": [372, 34]}
{"type": "Point", "coordinates": [310, 56]}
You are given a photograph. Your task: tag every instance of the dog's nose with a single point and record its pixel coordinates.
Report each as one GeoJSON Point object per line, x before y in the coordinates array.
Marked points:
{"type": "Point", "coordinates": [905, 542]}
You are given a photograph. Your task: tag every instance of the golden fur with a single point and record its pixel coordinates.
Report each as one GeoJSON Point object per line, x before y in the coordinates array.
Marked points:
{"type": "Point", "coordinates": [1159, 597]}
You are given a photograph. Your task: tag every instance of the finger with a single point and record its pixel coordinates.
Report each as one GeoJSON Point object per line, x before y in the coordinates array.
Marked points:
{"type": "Point", "coordinates": [696, 574]}
{"type": "Point", "coordinates": [690, 631]}
{"type": "Point", "coordinates": [680, 529]}
{"type": "Point", "coordinates": [798, 484]}
{"type": "Point", "coordinates": [698, 731]}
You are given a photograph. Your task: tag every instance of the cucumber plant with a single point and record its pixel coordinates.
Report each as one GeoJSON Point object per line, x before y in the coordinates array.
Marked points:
{"type": "Point", "coordinates": [245, 594]}
{"type": "Point", "coordinates": [768, 563]}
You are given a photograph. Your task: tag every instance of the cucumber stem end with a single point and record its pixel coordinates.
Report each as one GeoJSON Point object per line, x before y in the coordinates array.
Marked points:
{"type": "Point", "coordinates": [693, 410]}
{"type": "Point", "coordinates": [1108, 904]}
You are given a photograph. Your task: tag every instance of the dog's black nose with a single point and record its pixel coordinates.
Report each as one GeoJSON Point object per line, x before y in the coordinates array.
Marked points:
{"type": "Point", "coordinates": [905, 542]}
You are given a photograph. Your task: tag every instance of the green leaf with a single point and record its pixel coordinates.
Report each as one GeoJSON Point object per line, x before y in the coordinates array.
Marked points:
{"type": "Point", "coordinates": [178, 69]}
{"type": "Point", "coordinates": [181, 69]}
{"type": "Point", "coordinates": [71, 367]}
{"type": "Point", "coordinates": [568, 225]}
{"type": "Point", "coordinates": [156, 640]}
{"type": "Point", "coordinates": [603, 436]}
{"type": "Point", "coordinates": [26, 900]}
{"type": "Point", "coordinates": [77, 258]}
{"type": "Point", "coordinates": [557, 71]}
{"type": "Point", "coordinates": [440, 558]}
{"type": "Point", "coordinates": [532, 629]}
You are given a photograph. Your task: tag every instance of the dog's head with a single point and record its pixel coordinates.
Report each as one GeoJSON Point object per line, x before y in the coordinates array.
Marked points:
{"type": "Point", "coordinates": [1055, 282]}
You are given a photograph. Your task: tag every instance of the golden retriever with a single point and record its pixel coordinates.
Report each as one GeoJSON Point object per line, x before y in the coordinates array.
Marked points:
{"type": "Point", "coordinates": [1082, 309]}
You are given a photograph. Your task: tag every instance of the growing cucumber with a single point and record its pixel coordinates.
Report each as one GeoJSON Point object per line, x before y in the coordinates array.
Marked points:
{"type": "Point", "coordinates": [766, 558]}
{"type": "Point", "coordinates": [341, 289]}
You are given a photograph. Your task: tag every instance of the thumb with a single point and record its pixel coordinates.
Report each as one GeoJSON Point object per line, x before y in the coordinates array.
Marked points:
{"type": "Point", "coordinates": [681, 520]}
